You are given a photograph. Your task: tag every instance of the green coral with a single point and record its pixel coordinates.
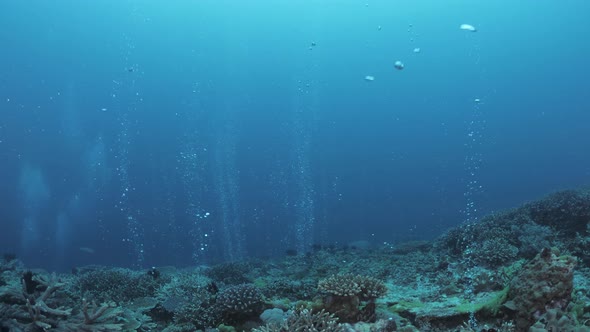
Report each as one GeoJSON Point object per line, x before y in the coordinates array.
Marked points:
{"type": "Point", "coordinates": [403, 306]}
{"type": "Point", "coordinates": [491, 304]}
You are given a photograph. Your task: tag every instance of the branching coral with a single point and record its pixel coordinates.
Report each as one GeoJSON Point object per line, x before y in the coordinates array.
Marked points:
{"type": "Point", "coordinates": [95, 318]}
{"type": "Point", "coordinates": [188, 300]}
{"type": "Point", "coordinates": [365, 287]}
{"type": "Point", "coordinates": [29, 308]}
{"type": "Point", "coordinates": [34, 307]}
{"type": "Point", "coordinates": [345, 293]}
{"type": "Point", "coordinates": [118, 285]}
{"type": "Point", "coordinates": [305, 321]}
{"type": "Point", "coordinates": [243, 299]}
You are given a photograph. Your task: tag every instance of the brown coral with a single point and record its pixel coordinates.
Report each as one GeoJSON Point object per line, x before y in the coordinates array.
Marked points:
{"type": "Point", "coordinates": [365, 287]}
{"type": "Point", "coordinates": [544, 283]}
{"type": "Point", "coordinates": [347, 291]}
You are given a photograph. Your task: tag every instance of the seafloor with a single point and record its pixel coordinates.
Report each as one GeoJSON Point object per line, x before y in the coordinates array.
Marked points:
{"type": "Point", "coordinates": [526, 269]}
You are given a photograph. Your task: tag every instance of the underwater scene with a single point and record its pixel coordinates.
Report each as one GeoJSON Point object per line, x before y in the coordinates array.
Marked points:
{"type": "Point", "coordinates": [290, 165]}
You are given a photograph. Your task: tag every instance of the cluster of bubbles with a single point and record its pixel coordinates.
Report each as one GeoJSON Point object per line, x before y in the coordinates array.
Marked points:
{"type": "Point", "coordinates": [34, 193]}
{"type": "Point", "coordinates": [192, 169]}
{"type": "Point", "coordinates": [228, 190]}
{"type": "Point", "coordinates": [473, 162]}
{"type": "Point", "coordinates": [129, 89]}
{"type": "Point", "coordinates": [304, 203]}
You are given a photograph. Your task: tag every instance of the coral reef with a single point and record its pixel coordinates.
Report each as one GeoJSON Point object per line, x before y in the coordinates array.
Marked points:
{"type": "Point", "coordinates": [527, 269]}
{"type": "Point", "coordinates": [559, 220]}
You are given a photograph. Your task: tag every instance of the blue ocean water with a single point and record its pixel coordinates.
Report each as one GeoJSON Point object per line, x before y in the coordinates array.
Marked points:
{"type": "Point", "coordinates": [140, 133]}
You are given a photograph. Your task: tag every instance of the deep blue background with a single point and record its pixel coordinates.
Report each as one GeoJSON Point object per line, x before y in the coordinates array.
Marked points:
{"type": "Point", "coordinates": [221, 107]}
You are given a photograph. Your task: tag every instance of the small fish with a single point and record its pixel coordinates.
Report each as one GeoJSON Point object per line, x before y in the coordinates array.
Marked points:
{"type": "Point", "coordinates": [369, 78]}
{"type": "Point", "coordinates": [87, 250]}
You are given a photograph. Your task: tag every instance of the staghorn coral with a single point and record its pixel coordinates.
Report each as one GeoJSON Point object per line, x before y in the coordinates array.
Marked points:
{"type": "Point", "coordinates": [94, 318]}
{"type": "Point", "coordinates": [36, 307]}
{"type": "Point", "coordinates": [31, 307]}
